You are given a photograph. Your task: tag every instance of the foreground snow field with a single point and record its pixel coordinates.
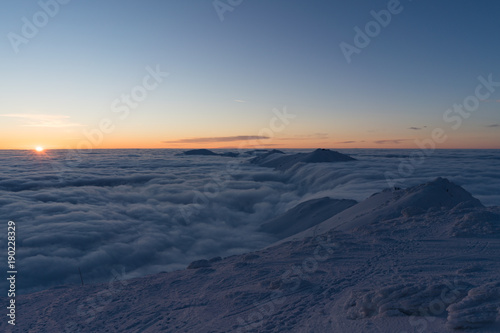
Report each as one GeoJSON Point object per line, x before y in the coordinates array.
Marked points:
{"type": "Point", "coordinates": [423, 259]}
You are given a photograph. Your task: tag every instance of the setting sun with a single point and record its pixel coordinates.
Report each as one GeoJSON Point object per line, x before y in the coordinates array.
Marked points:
{"type": "Point", "coordinates": [39, 149]}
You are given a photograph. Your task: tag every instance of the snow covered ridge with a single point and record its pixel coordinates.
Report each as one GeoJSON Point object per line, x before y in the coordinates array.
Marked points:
{"type": "Point", "coordinates": [280, 161]}
{"type": "Point", "coordinates": [439, 194]}
{"type": "Point", "coordinates": [422, 259]}
{"type": "Point", "coordinates": [304, 216]}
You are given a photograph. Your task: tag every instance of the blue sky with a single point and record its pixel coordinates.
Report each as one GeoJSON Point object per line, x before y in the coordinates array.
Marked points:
{"type": "Point", "coordinates": [226, 77]}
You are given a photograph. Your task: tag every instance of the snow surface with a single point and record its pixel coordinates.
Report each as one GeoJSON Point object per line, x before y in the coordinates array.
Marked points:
{"type": "Point", "coordinates": [305, 216]}
{"type": "Point", "coordinates": [424, 259]}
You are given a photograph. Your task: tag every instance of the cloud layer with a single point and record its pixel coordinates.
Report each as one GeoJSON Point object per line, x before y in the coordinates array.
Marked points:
{"type": "Point", "coordinates": [152, 211]}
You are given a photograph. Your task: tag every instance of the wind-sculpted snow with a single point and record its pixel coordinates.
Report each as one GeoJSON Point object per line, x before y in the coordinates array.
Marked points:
{"type": "Point", "coordinates": [478, 309]}
{"type": "Point", "coordinates": [126, 207]}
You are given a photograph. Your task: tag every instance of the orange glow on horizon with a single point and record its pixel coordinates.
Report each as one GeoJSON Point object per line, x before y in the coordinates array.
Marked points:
{"type": "Point", "coordinates": [154, 142]}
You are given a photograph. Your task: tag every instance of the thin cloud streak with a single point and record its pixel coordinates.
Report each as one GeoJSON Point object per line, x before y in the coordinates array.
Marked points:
{"type": "Point", "coordinates": [220, 139]}
{"type": "Point", "coordinates": [396, 141]}
{"type": "Point", "coordinates": [43, 120]}
{"type": "Point", "coordinates": [312, 136]}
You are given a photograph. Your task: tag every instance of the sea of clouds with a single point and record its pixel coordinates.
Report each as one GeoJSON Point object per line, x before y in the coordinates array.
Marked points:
{"type": "Point", "coordinates": [141, 212]}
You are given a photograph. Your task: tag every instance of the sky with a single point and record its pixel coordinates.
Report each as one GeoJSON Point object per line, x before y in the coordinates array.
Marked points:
{"type": "Point", "coordinates": [240, 73]}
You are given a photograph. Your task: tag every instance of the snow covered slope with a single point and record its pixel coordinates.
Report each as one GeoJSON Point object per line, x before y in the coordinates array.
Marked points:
{"type": "Point", "coordinates": [423, 259]}
{"type": "Point", "coordinates": [305, 216]}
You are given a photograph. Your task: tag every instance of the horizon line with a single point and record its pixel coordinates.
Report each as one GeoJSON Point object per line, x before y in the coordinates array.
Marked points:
{"type": "Point", "coordinates": [254, 148]}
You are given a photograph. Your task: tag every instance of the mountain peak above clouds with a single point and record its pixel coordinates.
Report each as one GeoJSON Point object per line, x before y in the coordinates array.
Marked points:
{"type": "Point", "coordinates": [326, 155]}
{"type": "Point", "coordinates": [392, 203]}
{"type": "Point", "coordinates": [204, 152]}
{"type": "Point", "coordinates": [437, 194]}
{"type": "Point", "coordinates": [285, 162]}
{"type": "Point", "coordinates": [265, 157]}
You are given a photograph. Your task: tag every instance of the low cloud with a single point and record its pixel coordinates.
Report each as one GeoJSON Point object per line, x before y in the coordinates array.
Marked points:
{"type": "Point", "coordinates": [220, 139]}
{"type": "Point", "coordinates": [416, 128]}
{"type": "Point", "coordinates": [493, 125]}
{"type": "Point", "coordinates": [125, 208]}
{"type": "Point", "coordinates": [346, 142]}
{"type": "Point", "coordinates": [43, 120]}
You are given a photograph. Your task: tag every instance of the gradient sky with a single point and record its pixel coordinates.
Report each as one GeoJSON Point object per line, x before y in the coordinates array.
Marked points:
{"type": "Point", "coordinates": [227, 76]}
